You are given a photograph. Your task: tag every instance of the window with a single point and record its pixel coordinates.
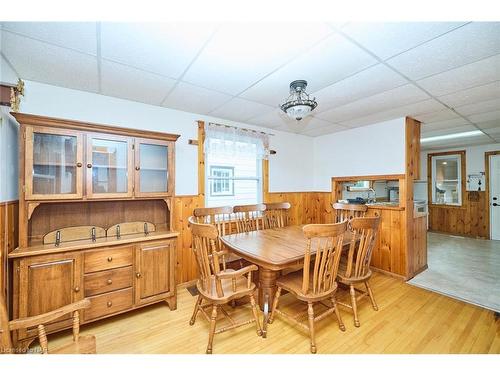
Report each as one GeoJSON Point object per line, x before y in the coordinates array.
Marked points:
{"type": "Point", "coordinates": [233, 166]}
{"type": "Point", "coordinates": [446, 184]}
{"type": "Point", "coordinates": [221, 181]}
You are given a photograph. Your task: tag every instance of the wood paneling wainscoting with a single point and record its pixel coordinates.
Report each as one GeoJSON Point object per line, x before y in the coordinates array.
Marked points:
{"type": "Point", "coordinates": [470, 220]}
{"type": "Point", "coordinates": [9, 225]}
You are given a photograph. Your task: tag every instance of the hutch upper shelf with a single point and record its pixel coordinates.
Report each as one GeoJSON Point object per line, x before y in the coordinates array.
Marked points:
{"type": "Point", "coordinates": [71, 160]}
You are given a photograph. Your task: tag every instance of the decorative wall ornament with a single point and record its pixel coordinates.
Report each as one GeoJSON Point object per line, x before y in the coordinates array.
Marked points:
{"type": "Point", "coordinates": [15, 95]}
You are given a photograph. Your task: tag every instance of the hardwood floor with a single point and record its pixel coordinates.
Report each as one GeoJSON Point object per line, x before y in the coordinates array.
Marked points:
{"type": "Point", "coordinates": [409, 320]}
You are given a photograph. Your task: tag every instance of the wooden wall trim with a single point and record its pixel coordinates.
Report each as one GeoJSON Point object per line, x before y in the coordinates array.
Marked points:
{"type": "Point", "coordinates": [368, 178]}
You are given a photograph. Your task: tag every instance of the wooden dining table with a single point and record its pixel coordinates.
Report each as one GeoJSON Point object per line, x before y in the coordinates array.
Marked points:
{"type": "Point", "coordinates": [272, 250]}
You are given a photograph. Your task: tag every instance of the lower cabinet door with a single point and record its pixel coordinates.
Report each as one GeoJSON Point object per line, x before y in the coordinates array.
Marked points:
{"type": "Point", "coordinates": [47, 283]}
{"type": "Point", "coordinates": [154, 273]}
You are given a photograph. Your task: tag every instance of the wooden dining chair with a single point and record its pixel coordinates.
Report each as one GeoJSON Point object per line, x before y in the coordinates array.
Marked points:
{"type": "Point", "coordinates": [277, 214]}
{"type": "Point", "coordinates": [249, 217]}
{"type": "Point", "coordinates": [218, 287]}
{"type": "Point", "coordinates": [221, 218]}
{"type": "Point", "coordinates": [356, 268]}
{"type": "Point", "coordinates": [79, 344]}
{"type": "Point", "coordinates": [316, 282]}
{"type": "Point", "coordinates": [345, 211]}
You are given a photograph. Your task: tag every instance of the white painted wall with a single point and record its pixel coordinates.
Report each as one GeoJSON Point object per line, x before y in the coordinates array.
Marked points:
{"type": "Point", "coordinates": [290, 168]}
{"type": "Point", "coordinates": [7, 75]}
{"type": "Point", "coordinates": [8, 156]}
{"type": "Point", "coordinates": [474, 162]}
{"type": "Point", "coordinates": [369, 150]}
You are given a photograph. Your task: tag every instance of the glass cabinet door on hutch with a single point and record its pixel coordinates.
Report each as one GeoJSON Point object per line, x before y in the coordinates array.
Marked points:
{"type": "Point", "coordinates": [153, 160]}
{"type": "Point", "coordinates": [53, 164]}
{"type": "Point", "coordinates": [109, 166]}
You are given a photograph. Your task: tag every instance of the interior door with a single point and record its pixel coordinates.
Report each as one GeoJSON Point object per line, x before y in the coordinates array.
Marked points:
{"type": "Point", "coordinates": [109, 166]}
{"type": "Point", "coordinates": [495, 197]}
{"type": "Point", "coordinates": [53, 164]}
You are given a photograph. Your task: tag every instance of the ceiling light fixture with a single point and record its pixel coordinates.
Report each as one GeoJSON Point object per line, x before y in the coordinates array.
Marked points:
{"type": "Point", "coordinates": [452, 136]}
{"type": "Point", "coordinates": [298, 105]}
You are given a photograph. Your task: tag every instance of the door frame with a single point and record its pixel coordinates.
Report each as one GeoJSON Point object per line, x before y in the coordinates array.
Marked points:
{"type": "Point", "coordinates": [487, 188]}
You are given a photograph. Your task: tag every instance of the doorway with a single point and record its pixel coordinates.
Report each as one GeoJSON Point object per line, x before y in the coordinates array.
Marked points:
{"type": "Point", "coordinates": [493, 203]}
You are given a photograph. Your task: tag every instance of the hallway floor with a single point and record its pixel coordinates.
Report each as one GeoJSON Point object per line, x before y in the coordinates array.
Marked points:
{"type": "Point", "coordinates": [467, 269]}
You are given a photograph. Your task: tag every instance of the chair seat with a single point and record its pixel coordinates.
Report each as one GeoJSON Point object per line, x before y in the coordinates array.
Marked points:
{"type": "Point", "coordinates": [227, 289]}
{"type": "Point", "coordinates": [292, 282]}
{"type": "Point", "coordinates": [341, 275]}
{"type": "Point", "coordinates": [85, 345]}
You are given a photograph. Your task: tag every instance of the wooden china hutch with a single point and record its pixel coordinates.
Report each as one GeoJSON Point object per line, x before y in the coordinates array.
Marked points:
{"type": "Point", "coordinates": [95, 220]}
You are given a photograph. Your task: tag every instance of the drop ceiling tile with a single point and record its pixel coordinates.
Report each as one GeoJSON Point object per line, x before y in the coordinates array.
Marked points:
{"type": "Point", "coordinates": [324, 130]}
{"type": "Point", "coordinates": [241, 110]}
{"type": "Point", "coordinates": [390, 38]}
{"type": "Point", "coordinates": [274, 119]}
{"type": "Point", "coordinates": [494, 132]}
{"type": "Point", "coordinates": [453, 143]}
{"type": "Point", "coordinates": [473, 95]}
{"type": "Point", "coordinates": [489, 124]}
{"type": "Point", "coordinates": [478, 108]}
{"type": "Point", "coordinates": [441, 115]}
{"type": "Point", "coordinates": [343, 57]}
{"type": "Point", "coordinates": [240, 54]}
{"type": "Point", "coordinates": [42, 62]}
{"type": "Point", "coordinates": [446, 124]}
{"type": "Point", "coordinates": [162, 48]}
{"type": "Point", "coordinates": [80, 36]}
{"type": "Point", "coordinates": [398, 97]}
{"type": "Point", "coordinates": [469, 43]}
{"type": "Point", "coordinates": [369, 82]}
{"type": "Point", "coordinates": [486, 116]}
{"type": "Point", "coordinates": [466, 76]}
{"type": "Point", "coordinates": [190, 98]}
{"type": "Point", "coordinates": [125, 82]}
{"type": "Point", "coordinates": [426, 132]}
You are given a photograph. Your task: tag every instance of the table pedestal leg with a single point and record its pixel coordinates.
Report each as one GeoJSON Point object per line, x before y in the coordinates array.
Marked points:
{"type": "Point", "coordinates": [267, 289]}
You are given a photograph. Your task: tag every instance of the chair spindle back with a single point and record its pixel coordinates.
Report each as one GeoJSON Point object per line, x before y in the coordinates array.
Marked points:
{"type": "Point", "coordinates": [277, 214]}
{"type": "Point", "coordinates": [250, 217]}
{"type": "Point", "coordinates": [325, 242]}
{"type": "Point", "coordinates": [360, 252]}
{"type": "Point", "coordinates": [345, 211]}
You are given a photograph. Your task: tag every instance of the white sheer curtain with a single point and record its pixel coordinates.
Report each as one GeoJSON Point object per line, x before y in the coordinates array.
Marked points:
{"type": "Point", "coordinates": [235, 142]}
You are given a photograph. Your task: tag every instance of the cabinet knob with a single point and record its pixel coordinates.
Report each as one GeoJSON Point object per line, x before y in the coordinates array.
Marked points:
{"type": "Point", "coordinates": [77, 289]}
{"type": "Point", "coordinates": [110, 259]}
{"type": "Point", "coordinates": [110, 303]}
{"type": "Point", "coordinates": [137, 168]}
{"type": "Point", "coordinates": [110, 281]}
{"type": "Point", "coordinates": [79, 165]}
{"type": "Point", "coordinates": [138, 275]}
{"type": "Point", "coordinates": [89, 165]}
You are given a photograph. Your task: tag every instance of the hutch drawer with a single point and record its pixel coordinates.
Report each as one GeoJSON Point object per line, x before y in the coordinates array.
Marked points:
{"type": "Point", "coordinates": [107, 281]}
{"type": "Point", "coordinates": [108, 258]}
{"type": "Point", "coordinates": [109, 303]}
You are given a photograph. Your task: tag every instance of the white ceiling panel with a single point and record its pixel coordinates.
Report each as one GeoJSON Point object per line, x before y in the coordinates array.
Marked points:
{"type": "Point", "coordinates": [412, 110]}
{"type": "Point", "coordinates": [477, 108]}
{"type": "Point", "coordinates": [473, 95]}
{"type": "Point", "coordinates": [441, 115]}
{"type": "Point", "coordinates": [344, 59]}
{"type": "Point", "coordinates": [239, 54]}
{"type": "Point", "coordinates": [332, 128]}
{"type": "Point", "coordinates": [190, 98]}
{"type": "Point", "coordinates": [486, 116]}
{"type": "Point", "coordinates": [430, 132]}
{"type": "Point", "coordinates": [162, 48]}
{"type": "Point", "coordinates": [390, 38]}
{"type": "Point", "coordinates": [398, 97]}
{"type": "Point", "coordinates": [42, 62]}
{"type": "Point", "coordinates": [489, 124]}
{"type": "Point", "coordinates": [460, 142]}
{"type": "Point", "coordinates": [274, 119]}
{"type": "Point", "coordinates": [241, 110]}
{"type": "Point", "coordinates": [446, 124]}
{"type": "Point", "coordinates": [126, 82]}
{"type": "Point", "coordinates": [472, 42]}
{"type": "Point", "coordinates": [470, 75]}
{"type": "Point", "coordinates": [80, 36]}
{"type": "Point", "coordinates": [369, 82]}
